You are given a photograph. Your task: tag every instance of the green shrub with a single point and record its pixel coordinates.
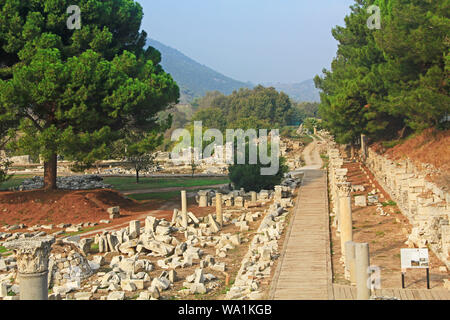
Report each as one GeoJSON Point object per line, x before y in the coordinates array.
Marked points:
{"type": "Point", "coordinates": [248, 176]}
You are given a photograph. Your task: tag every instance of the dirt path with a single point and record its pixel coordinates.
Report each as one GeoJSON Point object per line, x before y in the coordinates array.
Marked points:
{"type": "Point", "coordinates": [312, 156]}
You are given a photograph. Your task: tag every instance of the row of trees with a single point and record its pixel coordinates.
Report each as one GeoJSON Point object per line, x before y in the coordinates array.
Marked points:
{"type": "Point", "coordinates": [246, 108]}
{"type": "Point", "coordinates": [77, 93]}
{"type": "Point", "coordinates": [389, 82]}
{"type": "Point", "coordinates": [257, 108]}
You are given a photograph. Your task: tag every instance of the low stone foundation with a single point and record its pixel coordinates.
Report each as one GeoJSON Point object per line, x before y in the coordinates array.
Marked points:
{"type": "Point", "coordinates": [422, 202]}
{"type": "Point", "coordinates": [86, 182]}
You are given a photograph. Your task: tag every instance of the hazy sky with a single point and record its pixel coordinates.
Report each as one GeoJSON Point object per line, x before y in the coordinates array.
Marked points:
{"type": "Point", "coordinates": [250, 40]}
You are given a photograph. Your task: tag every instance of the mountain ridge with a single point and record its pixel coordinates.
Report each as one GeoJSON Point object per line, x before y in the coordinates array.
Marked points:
{"type": "Point", "coordinates": [304, 91]}
{"type": "Point", "coordinates": [195, 79]}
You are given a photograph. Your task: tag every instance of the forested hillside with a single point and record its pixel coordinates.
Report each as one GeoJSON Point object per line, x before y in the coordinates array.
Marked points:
{"type": "Point", "coordinates": [303, 91]}
{"type": "Point", "coordinates": [194, 78]}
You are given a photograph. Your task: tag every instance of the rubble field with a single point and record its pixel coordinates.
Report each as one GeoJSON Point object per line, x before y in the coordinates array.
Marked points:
{"type": "Point", "coordinates": [191, 255]}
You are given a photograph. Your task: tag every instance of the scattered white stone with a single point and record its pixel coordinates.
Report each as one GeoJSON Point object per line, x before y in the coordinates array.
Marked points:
{"type": "Point", "coordinates": [360, 201]}
{"type": "Point", "coordinates": [128, 286]}
{"type": "Point", "coordinates": [83, 295]}
{"type": "Point", "coordinates": [116, 295]}
{"type": "Point", "coordinates": [161, 283]}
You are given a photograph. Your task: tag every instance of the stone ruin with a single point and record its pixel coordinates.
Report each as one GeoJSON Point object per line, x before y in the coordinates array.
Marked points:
{"type": "Point", "coordinates": [74, 273]}
{"type": "Point", "coordinates": [68, 266]}
{"type": "Point", "coordinates": [87, 182]}
{"type": "Point", "coordinates": [263, 250]}
{"type": "Point", "coordinates": [426, 206]}
{"type": "Point", "coordinates": [422, 202]}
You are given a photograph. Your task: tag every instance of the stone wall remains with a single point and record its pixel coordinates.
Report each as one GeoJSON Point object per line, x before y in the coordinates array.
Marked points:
{"type": "Point", "coordinates": [426, 206]}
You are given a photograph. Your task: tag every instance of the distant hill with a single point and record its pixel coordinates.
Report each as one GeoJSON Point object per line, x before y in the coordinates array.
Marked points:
{"type": "Point", "coordinates": [302, 92]}
{"type": "Point", "coordinates": [194, 78]}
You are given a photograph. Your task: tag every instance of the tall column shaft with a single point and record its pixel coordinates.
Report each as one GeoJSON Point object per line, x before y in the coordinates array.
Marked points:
{"type": "Point", "coordinates": [345, 214]}
{"type": "Point", "coordinates": [254, 196]}
{"type": "Point", "coordinates": [184, 208]}
{"type": "Point", "coordinates": [362, 262]}
{"type": "Point", "coordinates": [350, 263]}
{"type": "Point", "coordinates": [219, 212]}
{"type": "Point", "coordinates": [363, 147]}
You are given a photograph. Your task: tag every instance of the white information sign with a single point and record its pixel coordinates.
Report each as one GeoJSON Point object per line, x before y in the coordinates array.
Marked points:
{"type": "Point", "coordinates": [414, 258]}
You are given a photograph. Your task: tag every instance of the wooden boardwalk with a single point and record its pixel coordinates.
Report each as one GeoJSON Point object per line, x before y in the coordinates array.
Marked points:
{"type": "Point", "coordinates": [343, 292]}
{"type": "Point", "coordinates": [304, 270]}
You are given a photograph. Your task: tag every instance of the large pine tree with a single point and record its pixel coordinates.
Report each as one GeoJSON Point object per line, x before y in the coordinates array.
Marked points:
{"type": "Point", "coordinates": [388, 80]}
{"type": "Point", "coordinates": [73, 92]}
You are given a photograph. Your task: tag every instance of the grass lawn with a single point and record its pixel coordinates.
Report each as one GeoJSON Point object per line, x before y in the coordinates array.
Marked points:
{"type": "Point", "coordinates": [325, 160]}
{"type": "Point", "coordinates": [305, 139]}
{"type": "Point", "coordinates": [72, 234]}
{"type": "Point", "coordinates": [4, 252]}
{"type": "Point", "coordinates": [15, 181]}
{"type": "Point", "coordinates": [166, 196]}
{"type": "Point", "coordinates": [129, 183]}
{"type": "Point", "coordinates": [171, 195]}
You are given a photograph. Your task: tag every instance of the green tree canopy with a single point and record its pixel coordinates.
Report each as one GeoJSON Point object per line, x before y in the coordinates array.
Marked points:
{"type": "Point", "coordinates": [74, 92]}
{"type": "Point", "coordinates": [245, 108]}
{"type": "Point", "coordinates": [385, 81]}
{"type": "Point", "coordinates": [249, 177]}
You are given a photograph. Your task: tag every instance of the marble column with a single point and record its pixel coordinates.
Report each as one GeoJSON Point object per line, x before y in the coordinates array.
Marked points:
{"type": "Point", "coordinates": [278, 193]}
{"type": "Point", "coordinates": [219, 212]}
{"type": "Point", "coordinates": [184, 217]}
{"type": "Point", "coordinates": [362, 263]}
{"type": "Point", "coordinates": [345, 214]}
{"type": "Point", "coordinates": [32, 257]}
{"type": "Point", "coordinates": [202, 199]}
{"type": "Point", "coordinates": [350, 263]}
{"type": "Point", "coordinates": [363, 147]}
{"type": "Point", "coordinates": [254, 196]}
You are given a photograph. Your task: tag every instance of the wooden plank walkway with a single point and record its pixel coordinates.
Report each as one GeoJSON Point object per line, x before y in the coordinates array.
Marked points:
{"type": "Point", "coordinates": [345, 292]}
{"type": "Point", "coordinates": [304, 271]}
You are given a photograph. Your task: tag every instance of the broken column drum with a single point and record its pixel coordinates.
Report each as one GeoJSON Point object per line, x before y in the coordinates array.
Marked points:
{"type": "Point", "coordinates": [202, 199]}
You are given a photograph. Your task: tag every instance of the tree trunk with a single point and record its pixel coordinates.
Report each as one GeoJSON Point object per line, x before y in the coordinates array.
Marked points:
{"type": "Point", "coordinates": [402, 132]}
{"type": "Point", "coordinates": [137, 176]}
{"type": "Point", "coordinates": [50, 173]}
